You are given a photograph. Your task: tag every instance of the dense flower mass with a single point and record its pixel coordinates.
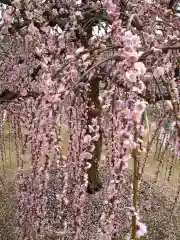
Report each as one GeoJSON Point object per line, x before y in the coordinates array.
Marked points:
{"type": "Point", "coordinates": [58, 76]}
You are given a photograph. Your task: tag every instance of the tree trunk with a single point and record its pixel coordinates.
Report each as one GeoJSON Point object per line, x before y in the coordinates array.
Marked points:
{"type": "Point", "coordinates": [94, 112]}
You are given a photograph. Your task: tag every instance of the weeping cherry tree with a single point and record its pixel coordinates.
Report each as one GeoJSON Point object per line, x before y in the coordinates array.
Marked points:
{"type": "Point", "coordinates": [58, 76]}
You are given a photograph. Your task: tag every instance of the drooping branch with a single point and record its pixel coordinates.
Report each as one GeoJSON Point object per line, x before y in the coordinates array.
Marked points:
{"type": "Point", "coordinates": [120, 58]}
{"type": "Point", "coordinates": [7, 96]}
{"type": "Point", "coordinates": [163, 48]}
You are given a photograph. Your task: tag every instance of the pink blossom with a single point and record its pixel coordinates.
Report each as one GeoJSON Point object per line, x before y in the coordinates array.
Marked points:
{"type": "Point", "coordinates": [87, 139]}
{"type": "Point", "coordinates": [140, 106]}
{"type": "Point", "coordinates": [126, 143]}
{"type": "Point", "coordinates": [92, 148]}
{"type": "Point", "coordinates": [137, 116]}
{"type": "Point", "coordinates": [88, 165]}
{"type": "Point", "coordinates": [78, 14]}
{"type": "Point", "coordinates": [91, 129]}
{"type": "Point", "coordinates": [142, 86]}
{"type": "Point", "coordinates": [66, 201]}
{"type": "Point", "coordinates": [80, 50]}
{"type": "Point", "coordinates": [23, 92]}
{"type": "Point", "coordinates": [32, 29]}
{"type": "Point", "coordinates": [141, 229]}
{"type": "Point", "coordinates": [45, 29]}
{"type": "Point", "coordinates": [140, 67]}
{"type": "Point", "coordinates": [157, 50]}
{"type": "Point", "coordinates": [17, 3]}
{"type": "Point", "coordinates": [136, 41]}
{"type": "Point", "coordinates": [136, 89]}
{"type": "Point", "coordinates": [124, 165]}
{"type": "Point", "coordinates": [127, 113]}
{"type": "Point", "coordinates": [78, 2]}
{"type": "Point", "coordinates": [96, 137]}
{"type": "Point", "coordinates": [85, 155]}
{"type": "Point", "coordinates": [159, 71]}
{"type": "Point", "coordinates": [177, 147]}
{"type": "Point", "coordinates": [7, 16]}
{"type": "Point", "coordinates": [70, 57]}
{"type": "Point", "coordinates": [82, 198]}
{"type": "Point", "coordinates": [131, 76]}
{"type": "Point", "coordinates": [85, 56]}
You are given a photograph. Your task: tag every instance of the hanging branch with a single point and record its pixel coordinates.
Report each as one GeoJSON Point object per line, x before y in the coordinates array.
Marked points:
{"type": "Point", "coordinates": [175, 103]}
{"type": "Point", "coordinates": [7, 96]}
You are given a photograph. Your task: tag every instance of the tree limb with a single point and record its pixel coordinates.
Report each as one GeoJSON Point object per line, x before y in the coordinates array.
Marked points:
{"type": "Point", "coordinates": [151, 51]}
{"type": "Point", "coordinates": [8, 96]}
{"type": "Point", "coordinates": [171, 3]}
{"type": "Point", "coordinates": [6, 2]}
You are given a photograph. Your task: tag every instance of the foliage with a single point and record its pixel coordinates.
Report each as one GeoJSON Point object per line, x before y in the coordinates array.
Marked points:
{"type": "Point", "coordinates": [51, 73]}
